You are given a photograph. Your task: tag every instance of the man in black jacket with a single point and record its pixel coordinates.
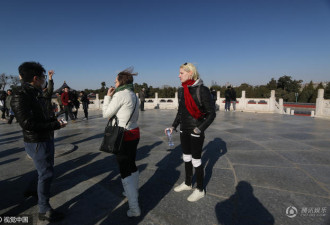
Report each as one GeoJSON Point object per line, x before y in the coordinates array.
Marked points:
{"type": "Point", "coordinates": [142, 97]}
{"type": "Point", "coordinates": [228, 98]}
{"type": "Point", "coordinates": [29, 106]}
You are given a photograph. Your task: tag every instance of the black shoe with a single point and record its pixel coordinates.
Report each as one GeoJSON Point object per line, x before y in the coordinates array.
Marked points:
{"type": "Point", "coordinates": [51, 216]}
{"type": "Point", "coordinates": [30, 193]}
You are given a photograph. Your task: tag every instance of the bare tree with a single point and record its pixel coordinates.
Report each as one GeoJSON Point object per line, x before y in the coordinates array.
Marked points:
{"type": "Point", "coordinates": [3, 80]}
{"type": "Point", "coordinates": [14, 81]}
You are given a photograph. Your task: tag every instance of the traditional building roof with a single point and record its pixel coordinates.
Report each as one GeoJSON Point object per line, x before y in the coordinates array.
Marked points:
{"type": "Point", "coordinates": [64, 85]}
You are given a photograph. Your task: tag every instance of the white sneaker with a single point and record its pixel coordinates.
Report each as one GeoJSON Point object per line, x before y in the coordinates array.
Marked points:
{"type": "Point", "coordinates": [196, 195]}
{"type": "Point", "coordinates": [182, 187]}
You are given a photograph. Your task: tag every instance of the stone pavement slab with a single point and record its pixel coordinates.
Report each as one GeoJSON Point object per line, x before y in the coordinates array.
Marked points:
{"type": "Point", "coordinates": [256, 167]}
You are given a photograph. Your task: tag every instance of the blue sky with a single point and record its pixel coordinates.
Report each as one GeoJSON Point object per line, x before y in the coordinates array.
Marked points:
{"type": "Point", "coordinates": [235, 41]}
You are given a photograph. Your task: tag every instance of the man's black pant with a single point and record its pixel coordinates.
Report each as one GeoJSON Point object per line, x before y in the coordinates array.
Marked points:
{"type": "Point", "coordinates": [68, 111]}
{"type": "Point", "coordinates": [142, 105]}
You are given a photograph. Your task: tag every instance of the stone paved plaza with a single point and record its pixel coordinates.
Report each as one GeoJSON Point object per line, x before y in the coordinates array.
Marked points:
{"type": "Point", "coordinates": [256, 166]}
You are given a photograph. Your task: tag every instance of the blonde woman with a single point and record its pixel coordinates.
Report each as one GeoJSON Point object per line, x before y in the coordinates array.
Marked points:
{"type": "Point", "coordinates": [195, 113]}
{"type": "Point", "coordinates": [122, 102]}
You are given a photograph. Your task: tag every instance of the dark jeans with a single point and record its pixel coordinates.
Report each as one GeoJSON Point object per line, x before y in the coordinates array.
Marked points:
{"type": "Point", "coordinates": [142, 105]}
{"type": "Point", "coordinates": [42, 154]}
{"type": "Point", "coordinates": [3, 116]}
{"type": "Point", "coordinates": [227, 105]}
{"type": "Point", "coordinates": [68, 111]}
{"type": "Point", "coordinates": [86, 113]}
{"type": "Point", "coordinates": [85, 107]}
{"type": "Point", "coordinates": [192, 144]}
{"type": "Point", "coordinates": [126, 158]}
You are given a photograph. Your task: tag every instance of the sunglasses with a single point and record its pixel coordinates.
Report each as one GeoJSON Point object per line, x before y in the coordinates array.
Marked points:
{"type": "Point", "coordinates": [185, 64]}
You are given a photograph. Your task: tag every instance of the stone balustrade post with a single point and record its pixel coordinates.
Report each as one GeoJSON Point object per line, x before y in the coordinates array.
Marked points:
{"type": "Point", "coordinates": [319, 102]}
{"type": "Point", "coordinates": [218, 98]}
{"type": "Point", "coordinates": [176, 100]}
{"type": "Point", "coordinates": [243, 101]}
{"type": "Point", "coordinates": [156, 100]}
{"type": "Point", "coordinates": [281, 105]}
{"type": "Point", "coordinates": [288, 111]}
{"type": "Point", "coordinates": [97, 102]}
{"type": "Point", "coordinates": [272, 101]}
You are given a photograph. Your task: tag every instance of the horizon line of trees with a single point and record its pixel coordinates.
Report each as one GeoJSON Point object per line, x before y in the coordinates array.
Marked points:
{"type": "Point", "coordinates": [285, 87]}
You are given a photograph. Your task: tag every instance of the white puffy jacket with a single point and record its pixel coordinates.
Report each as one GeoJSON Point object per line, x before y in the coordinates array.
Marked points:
{"type": "Point", "coordinates": [122, 104]}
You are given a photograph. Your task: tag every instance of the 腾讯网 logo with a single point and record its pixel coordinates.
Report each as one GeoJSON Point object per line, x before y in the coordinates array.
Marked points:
{"type": "Point", "coordinates": [291, 211]}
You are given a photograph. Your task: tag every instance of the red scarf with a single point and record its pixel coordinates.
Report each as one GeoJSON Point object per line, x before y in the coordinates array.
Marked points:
{"type": "Point", "coordinates": [189, 101]}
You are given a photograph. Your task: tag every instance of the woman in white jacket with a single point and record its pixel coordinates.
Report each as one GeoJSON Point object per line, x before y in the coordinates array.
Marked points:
{"type": "Point", "coordinates": [121, 101]}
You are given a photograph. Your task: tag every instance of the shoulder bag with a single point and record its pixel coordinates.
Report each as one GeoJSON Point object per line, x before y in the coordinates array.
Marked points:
{"type": "Point", "coordinates": [114, 135]}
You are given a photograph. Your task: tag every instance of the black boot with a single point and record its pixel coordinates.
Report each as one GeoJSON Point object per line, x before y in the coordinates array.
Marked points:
{"type": "Point", "coordinates": [51, 216]}
{"type": "Point", "coordinates": [10, 119]}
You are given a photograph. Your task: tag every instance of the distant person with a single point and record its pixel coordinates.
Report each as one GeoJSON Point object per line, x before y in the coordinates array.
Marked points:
{"type": "Point", "coordinates": [60, 104]}
{"type": "Point", "coordinates": [75, 103]}
{"type": "Point", "coordinates": [228, 98]}
{"type": "Point", "coordinates": [48, 93]}
{"type": "Point", "coordinates": [142, 97]}
{"type": "Point", "coordinates": [214, 95]}
{"type": "Point", "coordinates": [8, 107]}
{"type": "Point", "coordinates": [29, 106]}
{"type": "Point", "coordinates": [3, 96]}
{"type": "Point", "coordinates": [233, 97]}
{"type": "Point", "coordinates": [123, 102]}
{"type": "Point", "coordinates": [85, 102]}
{"type": "Point", "coordinates": [67, 104]}
{"type": "Point", "coordinates": [194, 116]}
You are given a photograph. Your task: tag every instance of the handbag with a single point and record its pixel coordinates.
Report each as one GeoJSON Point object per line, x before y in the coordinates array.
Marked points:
{"type": "Point", "coordinates": [114, 135]}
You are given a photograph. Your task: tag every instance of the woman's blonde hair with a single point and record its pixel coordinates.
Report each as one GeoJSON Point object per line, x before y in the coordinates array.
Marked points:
{"type": "Point", "coordinates": [189, 67]}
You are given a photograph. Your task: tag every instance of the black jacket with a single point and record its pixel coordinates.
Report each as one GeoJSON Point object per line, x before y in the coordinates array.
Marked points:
{"type": "Point", "coordinates": [85, 101]}
{"type": "Point", "coordinates": [233, 94]}
{"type": "Point", "coordinates": [29, 107]}
{"type": "Point", "coordinates": [205, 104]}
{"type": "Point", "coordinates": [228, 94]}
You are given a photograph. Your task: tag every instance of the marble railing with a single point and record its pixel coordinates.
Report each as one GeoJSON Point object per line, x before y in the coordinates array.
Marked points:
{"type": "Point", "coordinates": [264, 105]}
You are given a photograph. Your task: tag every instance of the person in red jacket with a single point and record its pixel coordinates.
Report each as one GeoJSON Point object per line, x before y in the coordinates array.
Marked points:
{"type": "Point", "coordinates": [67, 104]}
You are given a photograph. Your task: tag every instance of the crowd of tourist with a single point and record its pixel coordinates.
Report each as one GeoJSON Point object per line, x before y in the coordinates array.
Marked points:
{"type": "Point", "coordinates": [67, 102]}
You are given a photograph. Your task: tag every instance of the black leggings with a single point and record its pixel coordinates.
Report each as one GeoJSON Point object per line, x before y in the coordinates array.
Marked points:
{"type": "Point", "coordinates": [126, 158]}
{"type": "Point", "coordinates": [192, 145]}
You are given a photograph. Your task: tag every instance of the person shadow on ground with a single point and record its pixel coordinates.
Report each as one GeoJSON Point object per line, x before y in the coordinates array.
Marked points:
{"type": "Point", "coordinates": [243, 208]}
{"type": "Point", "coordinates": [160, 183]}
{"type": "Point", "coordinates": [212, 152]}
{"type": "Point", "coordinates": [100, 200]}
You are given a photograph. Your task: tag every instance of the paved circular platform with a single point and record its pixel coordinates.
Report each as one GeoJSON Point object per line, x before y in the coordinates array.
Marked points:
{"type": "Point", "coordinates": [259, 169]}
{"type": "Point", "coordinates": [63, 149]}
